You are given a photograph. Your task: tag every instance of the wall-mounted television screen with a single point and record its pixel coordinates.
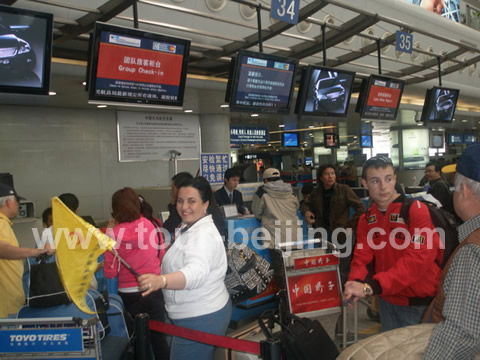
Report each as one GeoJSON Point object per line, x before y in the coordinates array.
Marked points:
{"type": "Point", "coordinates": [455, 139]}
{"type": "Point", "coordinates": [380, 98]}
{"type": "Point", "coordinates": [309, 160]}
{"type": "Point", "coordinates": [469, 139]}
{"type": "Point", "coordinates": [25, 51]}
{"type": "Point", "coordinates": [366, 141]}
{"type": "Point", "coordinates": [290, 140]}
{"type": "Point", "coordinates": [436, 140]}
{"type": "Point", "coordinates": [439, 106]}
{"type": "Point", "coordinates": [331, 140]}
{"type": "Point", "coordinates": [132, 67]}
{"type": "Point", "coordinates": [325, 92]}
{"type": "Point", "coordinates": [262, 83]}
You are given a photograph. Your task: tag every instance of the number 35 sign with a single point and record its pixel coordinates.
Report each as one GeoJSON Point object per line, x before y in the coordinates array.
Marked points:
{"type": "Point", "coordinates": [404, 42]}
{"type": "Point", "coordinates": [285, 10]}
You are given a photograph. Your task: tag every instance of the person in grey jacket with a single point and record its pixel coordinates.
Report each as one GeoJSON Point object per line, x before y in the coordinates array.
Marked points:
{"type": "Point", "coordinates": [275, 205]}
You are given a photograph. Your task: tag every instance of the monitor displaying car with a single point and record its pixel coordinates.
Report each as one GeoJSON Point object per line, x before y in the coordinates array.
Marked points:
{"type": "Point", "coordinates": [325, 92]}
{"type": "Point", "coordinates": [439, 106]}
{"type": "Point", "coordinates": [25, 51]}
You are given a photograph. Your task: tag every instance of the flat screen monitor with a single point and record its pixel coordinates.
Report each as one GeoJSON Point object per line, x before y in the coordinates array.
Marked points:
{"type": "Point", "coordinates": [455, 139]}
{"type": "Point", "coordinates": [439, 106]}
{"type": "Point", "coordinates": [309, 160]}
{"type": "Point", "coordinates": [381, 98]}
{"type": "Point", "coordinates": [436, 140]}
{"type": "Point", "coordinates": [25, 51]}
{"type": "Point", "coordinates": [262, 83]}
{"type": "Point", "coordinates": [331, 140]}
{"type": "Point", "coordinates": [469, 139]}
{"type": "Point", "coordinates": [366, 141]}
{"type": "Point", "coordinates": [132, 67]}
{"type": "Point", "coordinates": [325, 92]}
{"type": "Point", "coordinates": [290, 140]}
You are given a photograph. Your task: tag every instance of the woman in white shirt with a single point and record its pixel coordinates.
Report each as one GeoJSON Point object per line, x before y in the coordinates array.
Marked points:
{"type": "Point", "coordinates": [193, 273]}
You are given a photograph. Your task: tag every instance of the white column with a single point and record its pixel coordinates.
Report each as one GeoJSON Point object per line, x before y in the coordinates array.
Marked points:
{"type": "Point", "coordinates": [215, 133]}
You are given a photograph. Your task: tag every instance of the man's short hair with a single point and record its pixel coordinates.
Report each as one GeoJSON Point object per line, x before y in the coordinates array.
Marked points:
{"type": "Point", "coordinates": [324, 167]}
{"type": "Point", "coordinates": [70, 200]}
{"type": "Point", "coordinates": [181, 178]}
{"type": "Point", "coordinates": [376, 162]}
{"type": "Point", "coordinates": [232, 172]}
{"type": "Point", "coordinates": [435, 165]}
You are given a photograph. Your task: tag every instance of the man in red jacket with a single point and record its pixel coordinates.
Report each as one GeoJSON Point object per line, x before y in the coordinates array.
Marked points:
{"type": "Point", "coordinates": [397, 261]}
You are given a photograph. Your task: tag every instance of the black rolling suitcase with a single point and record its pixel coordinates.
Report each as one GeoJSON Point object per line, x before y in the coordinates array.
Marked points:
{"type": "Point", "coordinates": [301, 338]}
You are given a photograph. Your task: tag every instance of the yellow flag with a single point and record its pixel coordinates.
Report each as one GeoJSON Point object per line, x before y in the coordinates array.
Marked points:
{"type": "Point", "coordinates": [78, 245]}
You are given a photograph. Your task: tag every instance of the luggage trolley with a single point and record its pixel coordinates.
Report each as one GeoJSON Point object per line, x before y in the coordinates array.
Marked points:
{"type": "Point", "coordinates": [311, 282]}
{"type": "Point", "coordinates": [49, 338]}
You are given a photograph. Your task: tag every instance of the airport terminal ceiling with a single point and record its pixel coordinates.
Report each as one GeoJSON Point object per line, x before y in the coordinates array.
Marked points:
{"type": "Point", "coordinates": [219, 28]}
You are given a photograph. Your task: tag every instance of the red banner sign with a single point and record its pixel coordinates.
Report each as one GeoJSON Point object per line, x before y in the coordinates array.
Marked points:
{"type": "Point", "coordinates": [315, 261]}
{"type": "Point", "coordinates": [139, 65]}
{"type": "Point", "coordinates": [312, 292]}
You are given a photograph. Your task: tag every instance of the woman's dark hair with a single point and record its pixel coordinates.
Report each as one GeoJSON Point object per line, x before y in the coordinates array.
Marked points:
{"type": "Point", "coordinates": [147, 211]}
{"type": "Point", "coordinates": [125, 205]}
{"type": "Point", "coordinates": [206, 194]}
{"type": "Point", "coordinates": [181, 178]}
{"type": "Point", "coordinates": [46, 213]}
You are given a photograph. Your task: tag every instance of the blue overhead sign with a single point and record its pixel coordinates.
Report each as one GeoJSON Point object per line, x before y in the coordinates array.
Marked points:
{"type": "Point", "coordinates": [249, 135]}
{"type": "Point", "coordinates": [285, 10]}
{"type": "Point", "coordinates": [404, 42]}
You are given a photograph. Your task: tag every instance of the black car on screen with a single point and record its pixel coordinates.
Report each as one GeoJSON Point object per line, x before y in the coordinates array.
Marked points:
{"type": "Point", "coordinates": [17, 57]}
{"type": "Point", "coordinates": [329, 93]}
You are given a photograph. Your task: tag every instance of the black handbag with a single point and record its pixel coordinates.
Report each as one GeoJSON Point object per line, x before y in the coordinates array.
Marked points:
{"type": "Point", "coordinates": [248, 273]}
{"type": "Point", "coordinates": [45, 287]}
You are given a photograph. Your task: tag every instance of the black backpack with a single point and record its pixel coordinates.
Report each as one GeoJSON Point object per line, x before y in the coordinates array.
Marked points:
{"type": "Point", "coordinates": [440, 219]}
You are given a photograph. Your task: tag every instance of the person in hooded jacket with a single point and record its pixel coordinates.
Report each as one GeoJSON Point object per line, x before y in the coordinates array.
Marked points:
{"type": "Point", "coordinates": [275, 205]}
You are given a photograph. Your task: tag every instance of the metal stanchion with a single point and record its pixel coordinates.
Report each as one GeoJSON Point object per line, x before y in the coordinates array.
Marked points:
{"type": "Point", "coordinates": [142, 338]}
{"type": "Point", "coordinates": [271, 349]}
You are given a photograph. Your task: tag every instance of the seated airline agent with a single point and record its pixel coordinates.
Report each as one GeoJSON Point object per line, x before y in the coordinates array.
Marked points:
{"type": "Point", "coordinates": [228, 195]}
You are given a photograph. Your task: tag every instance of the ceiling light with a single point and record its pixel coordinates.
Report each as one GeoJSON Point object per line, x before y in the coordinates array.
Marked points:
{"type": "Point", "coordinates": [311, 127]}
{"type": "Point", "coordinates": [254, 115]}
{"type": "Point", "coordinates": [464, 121]}
{"type": "Point", "coordinates": [367, 122]}
{"type": "Point", "coordinates": [84, 83]}
{"type": "Point", "coordinates": [311, 134]}
{"type": "Point", "coordinates": [188, 111]}
{"type": "Point", "coordinates": [419, 124]}
{"type": "Point", "coordinates": [101, 106]}
{"type": "Point", "coordinates": [224, 106]}
{"type": "Point", "coordinates": [281, 126]}
{"type": "Point", "coordinates": [52, 93]}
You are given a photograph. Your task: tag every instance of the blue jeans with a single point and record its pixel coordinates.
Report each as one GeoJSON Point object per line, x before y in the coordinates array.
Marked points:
{"type": "Point", "coordinates": [396, 316]}
{"type": "Point", "coordinates": [214, 323]}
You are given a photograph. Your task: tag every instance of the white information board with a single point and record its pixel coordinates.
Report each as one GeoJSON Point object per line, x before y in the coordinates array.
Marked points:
{"type": "Point", "coordinates": [143, 136]}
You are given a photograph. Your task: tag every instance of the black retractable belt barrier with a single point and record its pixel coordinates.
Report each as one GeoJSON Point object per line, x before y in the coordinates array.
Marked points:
{"type": "Point", "coordinates": [142, 337]}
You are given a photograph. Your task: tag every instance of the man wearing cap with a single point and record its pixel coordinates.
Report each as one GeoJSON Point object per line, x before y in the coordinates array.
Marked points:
{"type": "Point", "coordinates": [11, 255]}
{"type": "Point", "coordinates": [276, 206]}
{"type": "Point", "coordinates": [456, 307]}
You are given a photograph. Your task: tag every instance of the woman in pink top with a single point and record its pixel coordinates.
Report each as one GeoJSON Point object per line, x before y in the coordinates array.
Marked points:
{"type": "Point", "coordinates": [138, 243]}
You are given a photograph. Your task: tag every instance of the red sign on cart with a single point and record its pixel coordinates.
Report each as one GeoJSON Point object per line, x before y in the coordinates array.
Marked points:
{"type": "Point", "coordinates": [313, 292]}
{"type": "Point", "coordinates": [315, 261]}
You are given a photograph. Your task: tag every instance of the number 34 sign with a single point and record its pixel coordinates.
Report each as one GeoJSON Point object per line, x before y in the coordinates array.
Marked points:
{"type": "Point", "coordinates": [285, 10]}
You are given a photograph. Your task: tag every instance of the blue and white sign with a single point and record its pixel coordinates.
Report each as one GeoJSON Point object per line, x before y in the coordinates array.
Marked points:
{"type": "Point", "coordinates": [404, 42]}
{"type": "Point", "coordinates": [213, 167]}
{"type": "Point", "coordinates": [285, 10]}
{"type": "Point", "coordinates": [41, 340]}
{"type": "Point", "coordinates": [249, 135]}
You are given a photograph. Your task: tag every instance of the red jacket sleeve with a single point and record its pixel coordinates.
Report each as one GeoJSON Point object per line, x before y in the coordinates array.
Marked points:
{"type": "Point", "coordinates": [418, 259]}
{"type": "Point", "coordinates": [363, 254]}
